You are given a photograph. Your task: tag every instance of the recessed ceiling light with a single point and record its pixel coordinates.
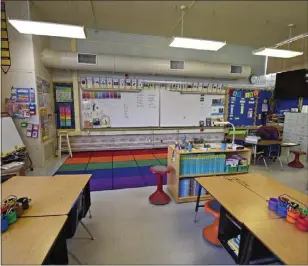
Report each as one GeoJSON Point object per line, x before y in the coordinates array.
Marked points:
{"type": "Point", "coordinates": [48, 29]}
{"type": "Point", "coordinates": [273, 52]}
{"type": "Point", "coordinates": [197, 44]}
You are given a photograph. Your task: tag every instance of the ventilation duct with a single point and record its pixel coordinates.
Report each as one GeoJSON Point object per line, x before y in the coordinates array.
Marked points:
{"type": "Point", "coordinates": [142, 65]}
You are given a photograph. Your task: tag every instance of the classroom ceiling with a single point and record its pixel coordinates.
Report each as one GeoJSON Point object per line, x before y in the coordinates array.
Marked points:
{"type": "Point", "coordinates": [252, 23]}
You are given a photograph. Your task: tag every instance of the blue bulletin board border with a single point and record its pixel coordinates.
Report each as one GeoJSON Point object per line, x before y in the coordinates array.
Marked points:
{"type": "Point", "coordinates": [250, 110]}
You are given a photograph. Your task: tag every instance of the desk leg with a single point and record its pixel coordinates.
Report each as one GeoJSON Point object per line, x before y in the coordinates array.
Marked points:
{"type": "Point", "coordinates": [254, 153]}
{"type": "Point", "coordinates": [197, 203]}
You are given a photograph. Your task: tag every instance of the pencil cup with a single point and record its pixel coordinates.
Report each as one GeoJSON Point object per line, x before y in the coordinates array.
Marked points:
{"type": "Point", "coordinates": [292, 215]}
{"type": "Point", "coordinates": [4, 223]}
{"type": "Point", "coordinates": [19, 209]}
{"type": "Point", "coordinates": [272, 204]}
{"type": "Point", "coordinates": [302, 223]}
{"type": "Point", "coordinates": [282, 210]}
{"type": "Point", "coordinates": [25, 202]}
{"type": "Point", "coordinates": [11, 216]}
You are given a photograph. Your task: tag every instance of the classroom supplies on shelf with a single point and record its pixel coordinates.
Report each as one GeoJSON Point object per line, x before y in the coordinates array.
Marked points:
{"type": "Point", "coordinates": [197, 164]}
{"type": "Point", "coordinates": [189, 187]}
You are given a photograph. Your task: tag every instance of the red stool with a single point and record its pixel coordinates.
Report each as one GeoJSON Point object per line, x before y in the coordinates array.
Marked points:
{"type": "Point", "coordinates": [159, 197]}
{"type": "Point", "coordinates": [210, 233]}
{"type": "Point", "coordinates": [296, 162]}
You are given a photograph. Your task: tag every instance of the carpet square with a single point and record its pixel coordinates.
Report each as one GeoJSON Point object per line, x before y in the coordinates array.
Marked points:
{"type": "Point", "coordinates": [121, 153]}
{"type": "Point", "coordinates": [77, 160]}
{"type": "Point", "coordinates": [161, 155]}
{"type": "Point", "coordinates": [128, 182]}
{"type": "Point", "coordinates": [72, 167]}
{"type": "Point", "coordinates": [99, 174]}
{"type": "Point", "coordinates": [163, 161]}
{"type": "Point", "coordinates": [106, 159]}
{"type": "Point", "coordinates": [101, 153]}
{"type": "Point", "coordinates": [101, 184]}
{"type": "Point", "coordinates": [144, 170]}
{"type": "Point", "coordinates": [125, 172]}
{"type": "Point", "coordinates": [123, 158]}
{"type": "Point", "coordinates": [147, 162]}
{"type": "Point", "coordinates": [124, 164]}
{"type": "Point", "coordinates": [144, 157]}
{"type": "Point", "coordinates": [81, 155]}
{"type": "Point", "coordinates": [98, 166]}
{"type": "Point", "coordinates": [158, 151]}
{"type": "Point", "coordinates": [70, 173]}
{"type": "Point", "coordinates": [138, 152]}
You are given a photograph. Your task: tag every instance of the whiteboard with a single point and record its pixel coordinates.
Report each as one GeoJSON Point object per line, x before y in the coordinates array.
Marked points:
{"type": "Point", "coordinates": [178, 109]}
{"type": "Point", "coordinates": [128, 109]}
{"type": "Point", "coordinates": [10, 138]}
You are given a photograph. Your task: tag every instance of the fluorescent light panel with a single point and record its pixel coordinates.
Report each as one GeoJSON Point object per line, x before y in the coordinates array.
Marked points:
{"type": "Point", "coordinates": [273, 52]}
{"type": "Point", "coordinates": [48, 29]}
{"type": "Point", "coordinates": [197, 44]}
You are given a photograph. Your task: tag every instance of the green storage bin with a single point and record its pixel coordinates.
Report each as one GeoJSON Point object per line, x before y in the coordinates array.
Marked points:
{"type": "Point", "coordinates": [231, 169]}
{"type": "Point", "coordinates": [242, 168]}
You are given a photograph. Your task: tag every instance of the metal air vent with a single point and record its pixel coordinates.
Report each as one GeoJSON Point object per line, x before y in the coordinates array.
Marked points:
{"type": "Point", "coordinates": [236, 69]}
{"type": "Point", "coordinates": [176, 65]}
{"type": "Point", "coordinates": [89, 59]}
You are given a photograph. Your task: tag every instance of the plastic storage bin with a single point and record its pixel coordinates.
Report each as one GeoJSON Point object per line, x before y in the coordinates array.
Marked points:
{"type": "Point", "coordinates": [242, 168]}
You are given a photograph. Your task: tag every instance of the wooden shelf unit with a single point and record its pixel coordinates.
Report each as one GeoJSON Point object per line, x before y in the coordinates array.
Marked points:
{"type": "Point", "coordinates": [173, 178]}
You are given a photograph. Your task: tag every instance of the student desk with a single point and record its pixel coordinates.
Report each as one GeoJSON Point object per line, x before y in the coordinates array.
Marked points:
{"type": "Point", "coordinates": [283, 239]}
{"type": "Point", "coordinates": [49, 195]}
{"type": "Point", "coordinates": [244, 212]}
{"type": "Point", "coordinates": [35, 241]}
{"type": "Point", "coordinates": [267, 187]}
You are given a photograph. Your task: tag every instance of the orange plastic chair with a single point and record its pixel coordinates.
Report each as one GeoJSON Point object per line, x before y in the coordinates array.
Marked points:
{"type": "Point", "coordinates": [210, 233]}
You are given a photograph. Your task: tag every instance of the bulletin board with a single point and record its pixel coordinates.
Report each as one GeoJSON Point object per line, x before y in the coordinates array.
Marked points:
{"type": "Point", "coordinates": [242, 107]}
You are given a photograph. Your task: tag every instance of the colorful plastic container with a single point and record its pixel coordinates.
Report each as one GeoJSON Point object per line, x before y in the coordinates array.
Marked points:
{"type": "Point", "coordinates": [4, 223]}
{"type": "Point", "coordinates": [282, 209]}
{"type": "Point", "coordinates": [292, 215]}
{"type": "Point", "coordinates": [11, 216]}
{"type": "Point", "coordinates": [272, 204]}
{"type": "Point", "coordinates": [302, 223]}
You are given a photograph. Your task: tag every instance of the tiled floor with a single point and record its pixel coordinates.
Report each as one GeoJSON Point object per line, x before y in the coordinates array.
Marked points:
{"type": "Point", "coordinates": [117, 169]}
{"type": "Point", "coordinates": [128, 230]}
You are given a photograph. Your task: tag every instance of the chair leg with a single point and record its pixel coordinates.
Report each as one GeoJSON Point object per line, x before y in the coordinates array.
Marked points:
{"type": "Point", "coordinates": [90, 214]}
{"type": "Point", "coordinates": [69, 145]}
{"type": "Point", "coordinates": [74, 257]}
{"type": "Point", "coordinates": [265, 163]}
{"type": "Point", "coordinates": [280, 163]}
{"type": "Point", "coordinates": [60, 146]}
{"type": "Point", "coordinates": [86, 228]}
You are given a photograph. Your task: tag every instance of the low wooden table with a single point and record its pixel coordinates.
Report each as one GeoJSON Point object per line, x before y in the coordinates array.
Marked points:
{"type": "Point", "coordinates": [31, 240]}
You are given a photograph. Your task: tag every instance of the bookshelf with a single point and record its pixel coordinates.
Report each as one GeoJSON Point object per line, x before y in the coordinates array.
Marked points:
{"type": "Point", "coordinates": [177, 175]}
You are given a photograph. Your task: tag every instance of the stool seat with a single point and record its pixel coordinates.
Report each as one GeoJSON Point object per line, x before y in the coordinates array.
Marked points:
{"type": "Point", "coordinates": [159, 169]}
{"type": "Point", "coordinates": [210, 233]}
{"type": "Point", "coordinates": [159, 197]}
{"type": "Point", "coordinates": [296, 162]}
